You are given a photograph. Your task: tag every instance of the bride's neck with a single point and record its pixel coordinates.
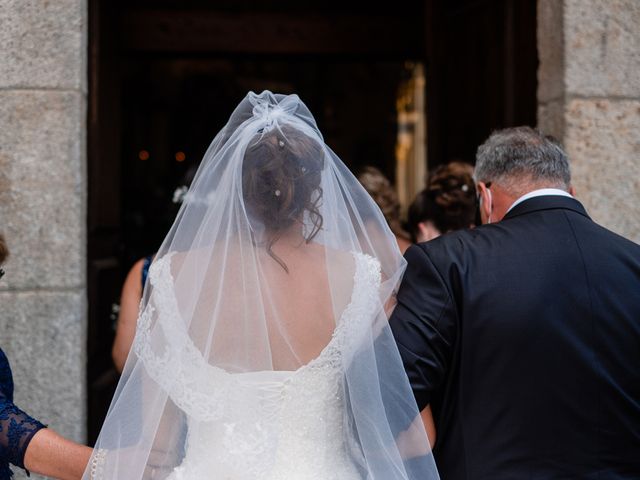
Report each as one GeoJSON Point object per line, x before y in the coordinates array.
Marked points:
{"type": "Point", "coordinates": [291, 237]}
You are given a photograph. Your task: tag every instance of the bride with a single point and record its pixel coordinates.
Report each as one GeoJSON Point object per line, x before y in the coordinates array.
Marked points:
{"type": "Point", "coordinates": [262, 349]}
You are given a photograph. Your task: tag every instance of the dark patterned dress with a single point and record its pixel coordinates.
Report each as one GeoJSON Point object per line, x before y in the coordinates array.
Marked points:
{"type": "Point", "coordinates": [16, 427]}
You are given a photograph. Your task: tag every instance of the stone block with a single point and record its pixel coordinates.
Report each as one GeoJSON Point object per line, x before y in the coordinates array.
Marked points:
{"type": "Point", "coordinates": [43, 44]}
{"type": "Point", "coordinates": [550, 50]}
{"type": "Point", "coordinates": [42, 137]}
{"type": "Point", "coordinates": [43, 188]}
{"type": "Point", "coordinates": [602, 47]}
{"type": "Point", "coordinates": [44, 337]}
{"type": "Point", "coordinates": [45, 228]}
{"type": "Point", "coordinates": [602, 140]}
{"type": "Point", "coordinates": [551, 118]}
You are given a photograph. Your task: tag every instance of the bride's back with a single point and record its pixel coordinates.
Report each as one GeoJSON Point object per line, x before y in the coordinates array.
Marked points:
{"type": "Point", "coordinates": [306, 301]}
{"type": "Point", "coordinates": [271, 294]}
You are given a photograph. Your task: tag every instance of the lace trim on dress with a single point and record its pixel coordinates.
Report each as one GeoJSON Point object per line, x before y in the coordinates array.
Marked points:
{"type": "Point", "coordinates": [181, 368]}
{"type": "Point", "coordinates": [202, 390]}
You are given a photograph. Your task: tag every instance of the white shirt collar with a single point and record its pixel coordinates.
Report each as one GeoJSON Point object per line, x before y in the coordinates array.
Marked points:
{"type": "Point", "coordinates": [539, 193]}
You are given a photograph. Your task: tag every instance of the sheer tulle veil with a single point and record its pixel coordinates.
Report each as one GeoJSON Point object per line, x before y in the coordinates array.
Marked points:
{"type": "Point", "coordinates": [279, 266]}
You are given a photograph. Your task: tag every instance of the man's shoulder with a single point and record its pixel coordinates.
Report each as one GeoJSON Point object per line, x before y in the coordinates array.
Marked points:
{"type": "Point", "coordinates": [589, 234]}
{"type": "Point", "coordinates": [511, 236]}
{"type": "Point", "coordinates": [609, 237]}
{"type": "Point", "coordinates": [456, 244]}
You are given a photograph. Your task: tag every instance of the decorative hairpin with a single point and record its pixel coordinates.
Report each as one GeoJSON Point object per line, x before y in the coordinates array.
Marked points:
{"type": "Point", "coordinates": [277, 193]}
{"type": "Point", "coordinates": [465, 188]}
{"type": "Point", "coordinates": [281, 143]}
{"type": "Point", "coordinates": [180, 194]}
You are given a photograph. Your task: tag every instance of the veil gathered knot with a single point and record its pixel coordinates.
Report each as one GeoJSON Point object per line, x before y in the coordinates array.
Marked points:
{"type": "Point", "coordinates": [267, 109]}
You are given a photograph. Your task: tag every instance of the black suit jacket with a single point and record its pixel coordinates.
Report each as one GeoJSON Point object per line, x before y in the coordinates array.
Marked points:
{"type": "Point", "coordinates": [524, 337]}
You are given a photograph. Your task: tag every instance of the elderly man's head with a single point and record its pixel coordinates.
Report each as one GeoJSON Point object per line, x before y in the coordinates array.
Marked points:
{"type": "Point", "coordinates": [513, 162]}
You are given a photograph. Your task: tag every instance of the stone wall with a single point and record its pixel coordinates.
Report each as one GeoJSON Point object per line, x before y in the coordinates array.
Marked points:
{"type": "Point", "coordinates": [43, 92]}
{"type": "Point", "coordinates": [589, 97]}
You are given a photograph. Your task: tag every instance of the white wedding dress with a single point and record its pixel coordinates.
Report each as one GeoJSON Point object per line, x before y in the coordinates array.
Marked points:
{"type": "Point", "coordinates": [272, 425]}
{"type": "Point", "coordinates": [254, 278]}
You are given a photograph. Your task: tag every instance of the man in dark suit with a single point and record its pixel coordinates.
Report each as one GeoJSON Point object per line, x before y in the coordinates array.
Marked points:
{"type": "Point", "coordinates": [523, 336]}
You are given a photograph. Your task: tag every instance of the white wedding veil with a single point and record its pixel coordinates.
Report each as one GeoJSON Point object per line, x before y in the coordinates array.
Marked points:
{"type": "Point", "coordinates": [279, 268]}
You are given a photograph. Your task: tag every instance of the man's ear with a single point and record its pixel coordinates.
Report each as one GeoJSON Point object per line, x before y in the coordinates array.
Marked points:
{"type": "Point", "coordinates": [485, 201]}
{"type": "Point", "coordinates": [572, 191]}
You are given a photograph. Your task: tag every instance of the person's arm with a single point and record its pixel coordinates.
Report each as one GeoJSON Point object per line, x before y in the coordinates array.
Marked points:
{"type": "Point", "coordinates": [128, 316]}
{"type": "Point", "coordinates": [28, 444]}
{"type": "Point", "coordinates": [167, 449]}
{"type": "Point", "coordinates": [429, 425]}
{"type": "Point", "coordinates": [52, 455]}
{"type": "Point", "coordinates": [411, 443]}
{"type": "Point", "coordinates": [424, 324]}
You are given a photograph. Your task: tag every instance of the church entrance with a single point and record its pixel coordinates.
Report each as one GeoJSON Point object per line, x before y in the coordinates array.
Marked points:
{"type": "Point", "coordinates": [164, 76]}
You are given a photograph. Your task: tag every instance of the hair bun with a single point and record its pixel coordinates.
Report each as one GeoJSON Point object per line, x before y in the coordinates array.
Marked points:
{"type": "Point", "coordinates": [281, 182]}
{"type": "Point", "coordinates": [448, 201]}
{"type": "Point", "coordinates": [451, 185]}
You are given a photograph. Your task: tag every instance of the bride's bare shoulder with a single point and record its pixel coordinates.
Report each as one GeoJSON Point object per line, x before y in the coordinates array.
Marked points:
{"type": "Point", "coordinates": [331, 256]}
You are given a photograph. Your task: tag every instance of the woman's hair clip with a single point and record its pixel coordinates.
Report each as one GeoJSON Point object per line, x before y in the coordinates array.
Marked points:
{"type": "Point", "coordinates": [180, 194]}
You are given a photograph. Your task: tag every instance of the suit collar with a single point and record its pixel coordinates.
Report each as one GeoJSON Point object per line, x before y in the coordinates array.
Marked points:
{"type": "Point", "coordinates": [546, 202]}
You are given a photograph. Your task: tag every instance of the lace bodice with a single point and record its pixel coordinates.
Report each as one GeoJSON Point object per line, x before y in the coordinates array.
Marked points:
{"type": "Point", "coordinates": [268, 424]}
{"type": "Point", "coordinates": [16, 427]}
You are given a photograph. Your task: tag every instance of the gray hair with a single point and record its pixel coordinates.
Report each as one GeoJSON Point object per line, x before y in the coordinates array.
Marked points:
{"type": "Point", "coordinates": [521, 157]}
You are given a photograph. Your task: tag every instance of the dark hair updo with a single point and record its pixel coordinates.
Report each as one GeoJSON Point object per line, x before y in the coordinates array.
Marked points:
{"type": "Point", "coordinates": [448, 201]}
{"type": "Point", "coordinates": [281, 176]}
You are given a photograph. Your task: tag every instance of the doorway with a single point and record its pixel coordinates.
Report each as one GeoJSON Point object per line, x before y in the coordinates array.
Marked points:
{"type": "Point", "coordinates": [164, 76]}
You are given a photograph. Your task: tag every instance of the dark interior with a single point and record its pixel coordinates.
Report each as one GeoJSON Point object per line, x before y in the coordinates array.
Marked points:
{"type": "Point", "coordinates": [164, 76]}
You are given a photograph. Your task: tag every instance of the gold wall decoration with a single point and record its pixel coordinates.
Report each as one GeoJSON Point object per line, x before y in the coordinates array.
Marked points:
{"type": "Point", "coordinates": [411, 143]}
